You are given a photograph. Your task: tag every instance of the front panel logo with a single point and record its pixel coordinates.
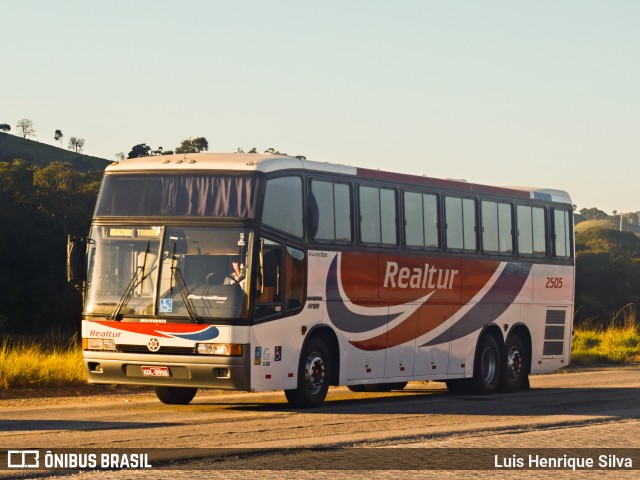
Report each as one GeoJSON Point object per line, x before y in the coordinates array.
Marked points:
{"type": "Point", "coordinates": [153, 344]}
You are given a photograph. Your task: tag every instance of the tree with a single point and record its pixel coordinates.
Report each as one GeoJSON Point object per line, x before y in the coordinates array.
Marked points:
{"type": "Point", "coordinates": [160, 151]}
{"type": "Point", "coordinates": [631, 218]}
{"type": "Point", "coordinates": [76, 144]}
{"type": "Point", "coordinates": [57, 136]}
{"type": "Point", "coordinates": [120, 156]}
{"type": "Point", "coordinates": [25, 127]}
{"type": "Point", "coordinates": [38, 207]}
{"type": "Point", "coordinates": [593, 214]}
{"type": "Point", "coordinates": [273, 151]}
{"type": "Point", "coordinates": [194, 145]}
{"type": "Point", "coordinates": [140, 150]}
{"type": "Point", "coordinates": [5, 127]}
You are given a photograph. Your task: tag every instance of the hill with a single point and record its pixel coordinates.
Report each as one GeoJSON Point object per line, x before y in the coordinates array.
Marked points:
{"type": "Point", "coordinates": [609, 223]}
{"type": "Point", "coordinates": [13, 147]}
{"type": "Point", "coordinates": [607, 270]}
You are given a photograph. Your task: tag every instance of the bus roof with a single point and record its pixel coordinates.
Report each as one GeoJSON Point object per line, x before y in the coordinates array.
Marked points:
{"type": "Point", "coordinates": [274, 162]}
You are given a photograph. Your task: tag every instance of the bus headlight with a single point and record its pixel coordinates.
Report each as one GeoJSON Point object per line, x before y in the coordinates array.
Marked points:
{"type": "Point", "coordinates": [99, 344]}
{"type": "Point", "coordinates": [226, 349]}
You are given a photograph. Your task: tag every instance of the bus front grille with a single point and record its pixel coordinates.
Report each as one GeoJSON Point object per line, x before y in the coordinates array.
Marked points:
{"type": "Point", "coordinates": [163, 350]}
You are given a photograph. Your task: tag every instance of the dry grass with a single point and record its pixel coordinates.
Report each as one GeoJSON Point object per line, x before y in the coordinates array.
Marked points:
{"type": "Point", "coordinates": [617, 343]}
{"type": "Point", "coordinates": [25, 364]}
{"type": "Point", "coordinates": [30, 364]}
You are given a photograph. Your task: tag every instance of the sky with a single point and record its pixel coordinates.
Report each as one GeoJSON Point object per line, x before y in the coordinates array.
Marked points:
{"type": "Point", "coordinates": [515, 93]}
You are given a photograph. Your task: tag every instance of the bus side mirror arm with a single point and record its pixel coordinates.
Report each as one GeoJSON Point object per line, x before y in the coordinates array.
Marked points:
{"type": "Point", "coordinates": [76, 260]}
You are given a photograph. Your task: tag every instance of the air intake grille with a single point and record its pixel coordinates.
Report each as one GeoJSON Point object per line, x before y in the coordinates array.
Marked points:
{"type": "Point", "coordinates": [554, 333]}
{"type": "Point", "coordinates": [163, 350]}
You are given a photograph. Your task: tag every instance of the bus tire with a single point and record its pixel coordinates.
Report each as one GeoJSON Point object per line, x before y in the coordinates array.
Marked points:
{"type": "Point", "coordinates": [314, 374]}
{"type": "Point", "coordinates": [513, 374]}
{"type": "Point", "coordinates": [175, 395]}
{"type": "Point", "coordinates": [384, 387]}
{"type": "Point", "coordinates": [486, 367]}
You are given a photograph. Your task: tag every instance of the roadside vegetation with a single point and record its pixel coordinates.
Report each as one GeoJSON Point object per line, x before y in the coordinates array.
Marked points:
{"type": "Point", "coordinates": [616, 343]}
{"type": "Point", "coordinates": [30, 364]}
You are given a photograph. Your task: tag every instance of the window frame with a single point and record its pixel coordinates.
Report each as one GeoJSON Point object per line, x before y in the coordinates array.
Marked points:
{"type": "Point", "coordinates": [379, 188]}
{"type": "Point", "coordinates": [464, 250]}
{"type": "Point", "coordinates": [303, 200]}
{"type": "Point", "coordinates": [333, 183]}
{"type": "Point", "coordinates": [568, 233]}
{"type": "Point", "coordinates": [497, 203]}
{"type": "Point", "coordinates": [545, 234]}
{"type": "Point", "coordinates": [438, 206]}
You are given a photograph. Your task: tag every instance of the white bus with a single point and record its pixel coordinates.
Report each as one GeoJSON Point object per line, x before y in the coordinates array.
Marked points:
{"type": "Point", "coordinates": [265, 272]}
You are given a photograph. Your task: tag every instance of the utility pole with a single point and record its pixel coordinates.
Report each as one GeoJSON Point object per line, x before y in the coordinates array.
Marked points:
{"type": "Point", "coordinates": [620, 221]}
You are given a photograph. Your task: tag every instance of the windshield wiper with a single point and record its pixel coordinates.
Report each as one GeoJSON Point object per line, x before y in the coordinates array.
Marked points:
{"type": "Point", "coordinates": [137, 279]}
{"type": "Point", "coordinates": [184, 292]}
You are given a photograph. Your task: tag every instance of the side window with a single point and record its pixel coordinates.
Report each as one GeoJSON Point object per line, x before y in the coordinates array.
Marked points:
{"type": "Point", "coordinates": [284, 195]}
{"type": "Point", "coordinates": [531, 231]}
{"type": "Point", "coordinates": [539, 223]}
{"type": "Point", "coordinates": [497, 228]}
{"type": "Point", "coordinates": [268, 285]}
{"type": "Point", "coordinates": [377, 212]}
{"type": "Point", "coordinates": [280, 279]}
{"type": "Point", "coordinates": [525, 230]}
{"type": "Point", "coordinates": [460, 214]}
{"type": "Point", "coordinates": [561, 233]}
{"type": "Point", "coordinates": [294, 279]}
{"type": "Point", "coordinates": [421, 220]}
{"type": "Point", "coordinates": [333, 202]}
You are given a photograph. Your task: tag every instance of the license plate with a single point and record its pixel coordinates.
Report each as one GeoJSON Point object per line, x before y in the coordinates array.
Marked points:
{"type": "Point", "coordinates": [156, 372]}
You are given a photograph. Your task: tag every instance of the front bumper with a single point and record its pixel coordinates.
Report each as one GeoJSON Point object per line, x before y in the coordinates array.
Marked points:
{"type": "Point", "coordinates": [226, 373]}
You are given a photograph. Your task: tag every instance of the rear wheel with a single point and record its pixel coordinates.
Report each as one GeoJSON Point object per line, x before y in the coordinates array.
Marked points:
{"type": "Point", "coordinates": [486, 367]}
{"type": "Point", "coordinates": [513, 374]}
{"type": "Point", "coordinates": [175, 395]}
{"type": "Point", "coordinates": [314, 373]}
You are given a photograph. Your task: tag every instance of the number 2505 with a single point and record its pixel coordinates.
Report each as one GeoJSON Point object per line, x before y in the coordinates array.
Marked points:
{"type": "Point", "coordinates": [554, 282]}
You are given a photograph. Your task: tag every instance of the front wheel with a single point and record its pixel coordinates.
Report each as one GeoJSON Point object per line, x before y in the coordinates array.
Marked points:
{"type": "Point", "coordinates": [314, 373]}
{"type": "Point", "coordinates": [486, 368]}
{"type": "Point", "coordinates": [175, 395]}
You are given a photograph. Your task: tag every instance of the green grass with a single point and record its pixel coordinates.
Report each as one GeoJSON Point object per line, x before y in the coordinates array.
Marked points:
{"type": "Point", "coordinates": [29, 364]}
{"type": "Point", "coordinates": [615, 344]}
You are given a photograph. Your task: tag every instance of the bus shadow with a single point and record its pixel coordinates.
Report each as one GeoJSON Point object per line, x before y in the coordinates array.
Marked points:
{"type": "Point", "coordinates": [602, 402]}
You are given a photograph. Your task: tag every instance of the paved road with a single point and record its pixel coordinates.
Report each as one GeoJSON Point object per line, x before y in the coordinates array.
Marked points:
{"type": "Point", "coordinates": [598, 409]}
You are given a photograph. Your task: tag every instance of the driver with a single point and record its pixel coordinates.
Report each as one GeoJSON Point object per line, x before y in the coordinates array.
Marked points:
{"type": "Point", "coordinates": [237, 276]}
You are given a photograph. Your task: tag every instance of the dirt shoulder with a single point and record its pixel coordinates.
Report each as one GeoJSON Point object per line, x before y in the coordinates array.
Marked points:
{"type": "Point", "coordinates": [27, 397]}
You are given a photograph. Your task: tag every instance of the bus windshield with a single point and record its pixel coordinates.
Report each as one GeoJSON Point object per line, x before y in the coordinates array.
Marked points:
{"type": "Point", "coordinates": [180, 273]}
{"type": "Point", "coordinates": [172, 195]}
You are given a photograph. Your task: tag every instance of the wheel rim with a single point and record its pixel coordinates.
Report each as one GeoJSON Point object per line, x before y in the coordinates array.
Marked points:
{"type": "Point", "coordinates": [314, 373]}
{"type": "Point", "coordinates": [514, 363]}
{"type": "Point", "coordinates": [489, 365]}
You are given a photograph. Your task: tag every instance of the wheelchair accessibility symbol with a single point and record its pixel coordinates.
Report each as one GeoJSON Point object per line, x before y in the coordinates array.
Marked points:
{"type": "Point", "coordinates": [166, 305]}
